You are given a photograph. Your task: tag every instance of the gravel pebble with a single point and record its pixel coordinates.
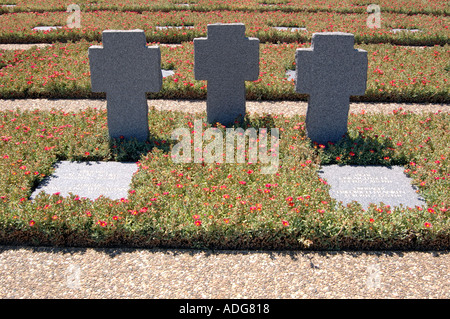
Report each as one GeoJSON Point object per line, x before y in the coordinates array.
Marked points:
{"type": "Point", "coordinates": [44, 272]}
{"type": "Point", "coordinates": [288, 108]}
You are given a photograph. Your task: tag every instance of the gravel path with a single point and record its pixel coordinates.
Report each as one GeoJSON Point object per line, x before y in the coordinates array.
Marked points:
{"type": "Point", "coordinates": [38, 273]}
{"type": "Point", "coordinates": [128, 273]}
{"type": "Point", "coordinates": [287, 108]}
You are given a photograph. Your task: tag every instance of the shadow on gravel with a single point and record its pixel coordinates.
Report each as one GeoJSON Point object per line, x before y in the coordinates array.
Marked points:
{"type": "Point", "coordinates": [293, 255]}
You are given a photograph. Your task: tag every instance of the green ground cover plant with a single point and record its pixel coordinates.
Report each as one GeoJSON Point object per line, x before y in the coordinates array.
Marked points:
{"type": "Point", "coordinates": [396, 73]}
{"type": "Point", "coordinates": [229, 205]}
{"type": "Point", "coordinates": [437, 7]}
{"type": "Point", "coordinates": [17, 27]}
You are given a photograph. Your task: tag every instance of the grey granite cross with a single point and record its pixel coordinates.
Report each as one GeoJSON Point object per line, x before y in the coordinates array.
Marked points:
{"type": "Point", "coordinates": [226, 58]}
{"type": "Point", "coordinates": [125, 68]}
{"type": "Point", "coordinates": [330, 72]}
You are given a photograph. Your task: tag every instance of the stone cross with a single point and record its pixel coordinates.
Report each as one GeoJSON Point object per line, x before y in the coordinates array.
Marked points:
{"type": "Point", "coordinates": [226, 58]}
{"type": "Point", "coordinates": [125, 68]}
{"type": "Point", "coordinates": [330, 72]}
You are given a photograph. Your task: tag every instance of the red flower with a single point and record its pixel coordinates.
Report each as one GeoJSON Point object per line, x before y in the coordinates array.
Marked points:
{"type": "Point", "coordinates": [285, 223]}
{"type": "Point", "coordinates": [31, 223]}
{"type": "Point", "coordinates": [427, 224]}
{"type": "Point", "coordinates": [143, 210]}
{"type": "Point", "coordinates": [102, 223]}
{"type": "Point", "coordinates": [198, 222]}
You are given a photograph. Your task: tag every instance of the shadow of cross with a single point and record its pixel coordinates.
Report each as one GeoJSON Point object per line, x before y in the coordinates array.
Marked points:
{"type": "Point", "coordinates": [330, 72]}
{"type": "Point", "coordinates": [226, 58]}
{"type": "Point", "coordinates": [125, 68]}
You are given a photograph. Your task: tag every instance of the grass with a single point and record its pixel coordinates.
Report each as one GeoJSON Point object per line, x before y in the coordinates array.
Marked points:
{"type": "Point", "coordinates": [233, 206]}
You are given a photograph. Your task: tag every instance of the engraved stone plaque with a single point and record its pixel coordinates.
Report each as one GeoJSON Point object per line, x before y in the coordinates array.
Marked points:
{"type": "Point", "coordinates": [371, 184]}
{"type": "Point", "coordinates": [89, 179]}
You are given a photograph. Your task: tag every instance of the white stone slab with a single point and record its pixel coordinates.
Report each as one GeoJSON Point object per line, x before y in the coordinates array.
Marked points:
{"type": "Point", "coordinates": [293, 29]}
{"type": "Point", "coordinates": [166, 73]}
{"type": "Point", "coordinates": [173, 27]}
{"type": "Point", "coordinates": [46, 28]}
{"type": "Point", "coordinates": [290, 75]}
{"type": "Point", "coordinates": [89, 179]}
{"type": "Point", "coordinates": [405, 30]}
{"type": "Point", "coordinates": [371, 184]}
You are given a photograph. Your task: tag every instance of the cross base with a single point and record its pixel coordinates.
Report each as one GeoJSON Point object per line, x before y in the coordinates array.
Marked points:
{"type": "Point", "coordinates": [326, 119]}
{"type": "Point", "coordinates": [128, 116]}
{"type": "Point", "coordinates": [225, 102]}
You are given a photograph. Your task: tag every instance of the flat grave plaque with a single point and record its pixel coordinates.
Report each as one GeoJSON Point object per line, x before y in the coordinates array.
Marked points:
{"type": "Point", "coordinates": [89, 179]}
{"type": "Point", "coordinates": [165, 27]}
{"type": "Point", "coordinates": [371, 184]}
{"type": "Point", "coordinates": [290, 75]}
{"type": "Point", "coordinates": [292, 29]}
{"type": "Point", "coordinates": [405, 30]}
{"type": "Point", "coordinates": [167, 73]}
{"type": "Point", "coordinates": [46, 28]}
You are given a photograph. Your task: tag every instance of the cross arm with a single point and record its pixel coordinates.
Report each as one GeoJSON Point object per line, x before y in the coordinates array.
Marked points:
{"type": "Point", "coordinates": [304, 70]}
{"type": "Point", "coordinates": [359, 72]}
{"type": "Point", "coordinates": [96, 68]}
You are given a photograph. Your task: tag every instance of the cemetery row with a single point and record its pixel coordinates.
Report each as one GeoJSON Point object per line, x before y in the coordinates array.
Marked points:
{"type": "Point", "coordinates": [229, 205]}
{"type": "Point", "coordinates": [62, 71]}
{"type": "Point", "coordinates": [178, 26]}
{"type": "Point", "coordinates": [437, 7]}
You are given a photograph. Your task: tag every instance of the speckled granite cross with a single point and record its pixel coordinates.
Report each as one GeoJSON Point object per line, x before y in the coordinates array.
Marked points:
{"type": "Point", "coordinates": [125, 68]}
